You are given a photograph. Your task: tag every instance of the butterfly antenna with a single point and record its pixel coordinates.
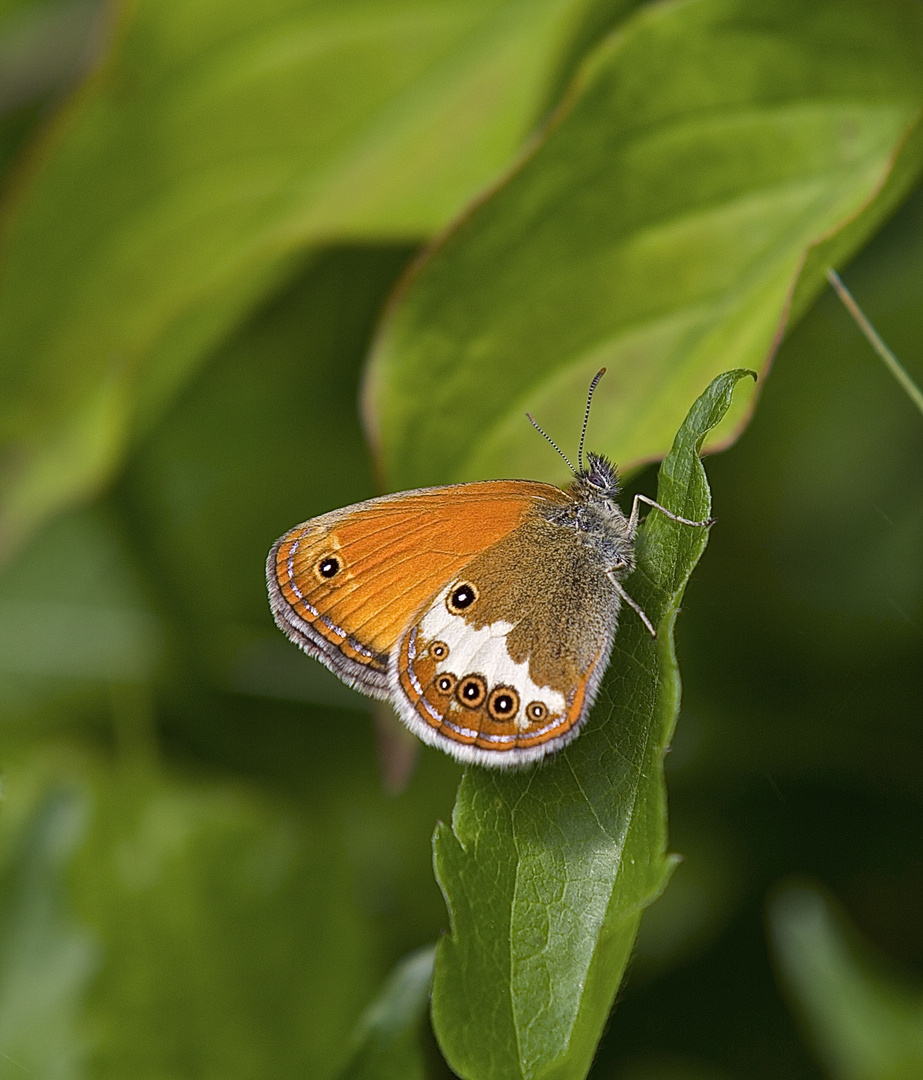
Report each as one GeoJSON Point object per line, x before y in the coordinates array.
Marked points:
{"type": "Point", "coordinates": [542, 431]}
{"type": "Point", "coordinates": [586, 415]}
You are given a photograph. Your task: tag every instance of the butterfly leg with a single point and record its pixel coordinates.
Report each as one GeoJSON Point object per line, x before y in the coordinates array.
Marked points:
{"type": "Point", "coordinates": [632, 529]}
{"type": "Point", "coordinates": [639, 611]}
{"type": "Point", "coordinates": [636, 510]}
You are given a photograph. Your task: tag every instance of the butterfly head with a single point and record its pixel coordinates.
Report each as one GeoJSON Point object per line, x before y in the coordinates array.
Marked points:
{"type": "Point", "coordinates": [598, 481]}
{"type": "Point", "coordinates": [594, 511]}
{"type": "Point", "coordinates": [594, 514]}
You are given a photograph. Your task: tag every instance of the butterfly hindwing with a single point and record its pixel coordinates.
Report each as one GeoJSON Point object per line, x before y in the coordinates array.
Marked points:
{"type": "Point", "coordinates": [506, 662]}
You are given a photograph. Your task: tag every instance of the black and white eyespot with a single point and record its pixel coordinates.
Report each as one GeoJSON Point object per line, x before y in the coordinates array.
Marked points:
{"type": "Point", "coordinates": [439, 650]}
{"type": "Point", "coordinates": [328, 566]}
{"type": "Point", "coordinates": [471, 691]}
{"type": "Point", "coordinates": [462, 596]}
{"type": "Point", "coordinates": [503, 703]}
{"type": "Point", "coordinates": [536, 711]}
{"type": "Point", "coordinates": [445, 683]}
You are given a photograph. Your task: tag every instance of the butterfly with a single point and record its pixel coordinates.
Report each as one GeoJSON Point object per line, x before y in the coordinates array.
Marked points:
{"type": "Point", "coordinates": [483, 612]}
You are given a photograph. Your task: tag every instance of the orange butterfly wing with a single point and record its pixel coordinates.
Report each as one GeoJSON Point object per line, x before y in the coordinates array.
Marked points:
{"type": "Point", "coordinates": [345, 586]}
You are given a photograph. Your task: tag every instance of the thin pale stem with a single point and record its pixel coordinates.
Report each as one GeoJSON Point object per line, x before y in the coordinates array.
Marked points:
{"type": "Point", "coordinates": [891, 361]}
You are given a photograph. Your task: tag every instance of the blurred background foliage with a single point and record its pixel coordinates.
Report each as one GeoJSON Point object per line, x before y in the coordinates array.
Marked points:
{"type": "Point", "coordinates": [209, 860]}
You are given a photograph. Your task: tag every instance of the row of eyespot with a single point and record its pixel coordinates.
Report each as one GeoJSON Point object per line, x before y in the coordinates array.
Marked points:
{"type": "Point", "coordinates": [502, 702]}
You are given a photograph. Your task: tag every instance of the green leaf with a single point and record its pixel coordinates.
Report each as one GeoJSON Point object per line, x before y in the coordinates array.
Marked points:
{"type": "Point", "coordinates": [46, 962]}
{"type": "Point", "coordinates": [249, 443]}
{"type": "Point", "coordinates": [234, 934]}
{"type": "Point", "coordinates": [862, 1014]}
{"type": "Point", "coordinates": [215, 142]}
{"type": "Point", "coordinates": [665, 1067]}
{"type": "Point", "coordinates": [546, 871]}
{"type": "Point", "coordinates": [240, 926]}
{"type": "Point", "coordinates": [658, 229]}
{"type": "Point", "coordinates": [93, 626]}
{"type": "Point", "coordinates": [45, 45]}
{"type": "Point", "coordinates": [390, 1035]}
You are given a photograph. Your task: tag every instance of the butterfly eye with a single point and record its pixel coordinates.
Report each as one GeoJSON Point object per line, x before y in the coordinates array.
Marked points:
{"type": "Point", "coordinates": [471, 691]}
{"type": "Point", "coordinates": [461, 598]}
{"type": "Point", "coordinates": [329, 566]}
{"type": "Point", "coordinates": [503, 703]}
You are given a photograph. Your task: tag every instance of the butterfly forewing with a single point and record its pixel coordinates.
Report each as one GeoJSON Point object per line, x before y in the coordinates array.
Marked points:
{"type": "Point", "coordinates": [345, 586]}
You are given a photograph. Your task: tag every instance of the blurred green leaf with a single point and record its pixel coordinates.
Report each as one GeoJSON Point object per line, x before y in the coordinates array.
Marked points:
{"type": "Point", "coordinates": [816, 565]}
{"type": "Point", "coordinates": [94, 624]}
{"type": "Point", "coordinates": [235, 942]}
{"type": "Point", "coordinates": [216, 142]}
{"type": "Point", "coordinates": [268, 435]}
{"type": "Point", "coordinates": [659, 228]}
{"type": "Point", "coordinates": [704, 893]}
{"type": "Point", "coordinates": [74, 622]}
{"type": "Point", "coordinates": [241, 927]}
{"type": "Point", "coordinates": [863, 1016]}
{"type": "Point", "coordinates": [661, 1067]}
{"type": "Point", "coordinates": [45, 46]}
{"type": "Point", "coordinates": [46, 962]}
{"type": "Point", "coordinates": [390, 1034]}
{"type": "Point", "coordinates": [242, 924]}
{"type": "Point", "coordinates": [546, 871]}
